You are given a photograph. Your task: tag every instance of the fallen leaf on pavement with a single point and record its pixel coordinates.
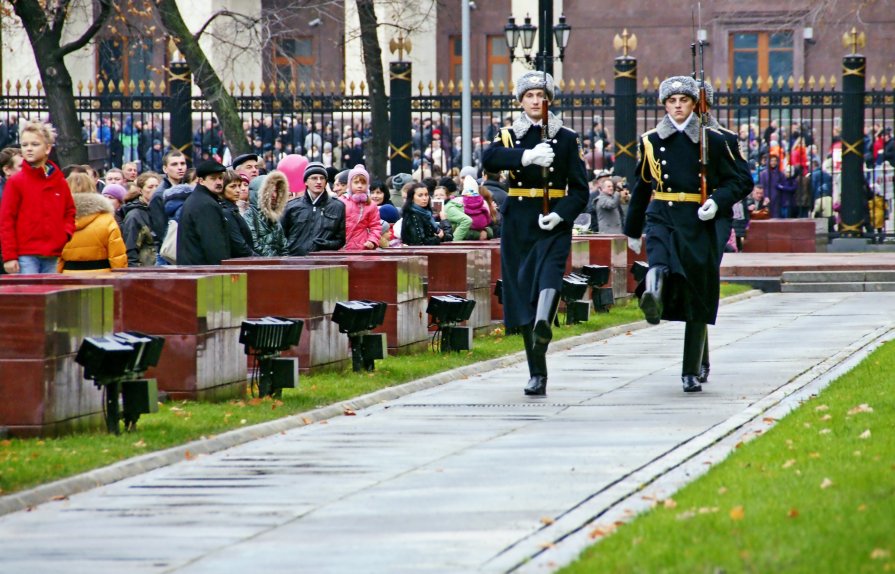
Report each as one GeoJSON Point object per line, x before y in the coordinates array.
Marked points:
{"type": "Point", "coordinates": [59, 497]}
{"type": "Point", "coordinates": [547, 521]}
{"type": "Point", "coordinates": [306, 420]}
{"type": "Point", "coordinates": [349, 412]}
{"type": "Point", "coordinates": [596, 533]}
{"type": "Point", "coordinates": [189, 456]}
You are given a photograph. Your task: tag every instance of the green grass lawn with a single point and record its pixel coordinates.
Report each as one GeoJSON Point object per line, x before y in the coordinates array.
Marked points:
{"type": "Point", "coordinates": [815, 494]}
{"type": "Point", "coordinates": [28, 462]}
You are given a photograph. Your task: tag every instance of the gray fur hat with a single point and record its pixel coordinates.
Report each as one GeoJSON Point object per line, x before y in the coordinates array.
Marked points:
{"type": "Point", "coordinates": [535, 80]}
{"type": "Point", "coordinates": [684, 85]}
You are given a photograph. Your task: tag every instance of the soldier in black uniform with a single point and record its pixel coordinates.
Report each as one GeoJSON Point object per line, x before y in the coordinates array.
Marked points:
{"type": "Point", "coordinates": [534, 247]}
{"type": "Point", "coordinates": [682, 283]}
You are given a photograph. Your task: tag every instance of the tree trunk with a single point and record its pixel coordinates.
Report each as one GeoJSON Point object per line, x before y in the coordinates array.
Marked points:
{"type": "Point", "coordinates": [56, 81]}
{"type": "Point", "coordinates": [377, 155]}
{"type": "Point", "coordinates": [222, 103]}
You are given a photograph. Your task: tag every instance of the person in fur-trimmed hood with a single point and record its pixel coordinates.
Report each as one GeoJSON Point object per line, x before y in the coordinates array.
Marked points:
{"type": "Point", "coordinates": [97, 245]}
{"type": "Point", "coordinates": [267, 199]}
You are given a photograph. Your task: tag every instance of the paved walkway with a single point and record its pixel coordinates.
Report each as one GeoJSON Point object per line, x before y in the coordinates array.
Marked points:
{"type": "Point", "coordinates": [469, 476]}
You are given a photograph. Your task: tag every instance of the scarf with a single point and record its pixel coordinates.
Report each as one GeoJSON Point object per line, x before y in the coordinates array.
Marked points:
{"type": "Point", "coordinates": [426, 214]}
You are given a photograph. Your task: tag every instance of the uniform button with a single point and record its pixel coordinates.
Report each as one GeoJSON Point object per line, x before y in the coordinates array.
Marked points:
{"type": "Point", "coordinates": [549, 183]}
{"type": "Point", "coordinates": [520, 199]}
{"type": "Point", "coordinates": [661, 149]}
{"type": "Point", "coordinates": [554, 141]}
{"type": "Point", "coordinates": [665, 176]}
{"type": "Point", "coordinates": [669, 189]}
{"type": "Point", "coordinates": [518, 142]}
{"type": "Point", "coordinates": [664, 162]}
{"type": "Point", "coordinates": [551, 168]}
{"type": "Point", "coordinates": [670, 203]}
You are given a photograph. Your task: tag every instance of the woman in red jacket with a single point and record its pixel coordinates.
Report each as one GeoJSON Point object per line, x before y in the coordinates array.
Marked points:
{"type": "Point", "coordinates": [37, 214]}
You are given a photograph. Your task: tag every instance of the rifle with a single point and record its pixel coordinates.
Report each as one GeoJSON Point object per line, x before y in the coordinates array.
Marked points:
{"type": "Point", "coordinates": [702, 108]}
{"type": "Point", "coordinates": [545, 136]}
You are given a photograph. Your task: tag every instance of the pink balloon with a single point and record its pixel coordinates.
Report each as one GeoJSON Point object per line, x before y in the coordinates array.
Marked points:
{"type": "Point", "coordinates": [293, 167]}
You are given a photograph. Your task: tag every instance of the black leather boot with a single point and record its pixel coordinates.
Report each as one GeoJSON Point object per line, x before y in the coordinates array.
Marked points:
{"type": "Point", "coordinates": [651, 299]}
{"type": "Point", "coordinates": [704, 367]}
{"type": "Point", "coordinates": [694, 342]}
{"type": "Point", "coordinates": [537, 367]}
{"type": "Point", "coordinates": [542, 333]}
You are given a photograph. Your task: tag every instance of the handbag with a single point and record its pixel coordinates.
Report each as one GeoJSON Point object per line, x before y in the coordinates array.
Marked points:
{"type": "Point", "coordinates": [168, 250]}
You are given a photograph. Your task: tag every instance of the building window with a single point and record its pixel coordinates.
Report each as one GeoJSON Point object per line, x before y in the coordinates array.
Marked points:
{"type": "Point", "coordinates": [761, 54]}
{"type": "Point", "coordinates": [127, 60]}
{"type": "Point", "coordinates": [498, 61]}
{"type": "Point", "coordinates": [456, 60]}
{"type": "Point", "coordinates": [293, 60]}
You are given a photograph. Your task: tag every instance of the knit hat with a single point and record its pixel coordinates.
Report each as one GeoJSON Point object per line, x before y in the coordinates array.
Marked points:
{"type": "Point", "coordinates": [389, 213]}
{"type": "Point", "coordinates": [468, 170]}
{"type": "Point", "coordinates": [315, 168]}
{"type": "Point", "coordinates": [343, 177]}
{"type": "Point", "coordinates": [678, 85]}
{"type": "Point", "coordinates": [470, 186]}
{"type": "Point", "coordinates": [357, 170]}
{"type": "Point", "coordinates": [116, 191]}
{"type": "Point", "coordinates": [399, 180]}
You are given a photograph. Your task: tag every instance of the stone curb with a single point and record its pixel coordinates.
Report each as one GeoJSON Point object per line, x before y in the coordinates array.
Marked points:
{"type": "Point", "coordinates": [151, 461]}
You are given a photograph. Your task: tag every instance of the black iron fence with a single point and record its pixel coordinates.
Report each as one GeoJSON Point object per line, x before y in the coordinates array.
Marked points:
{"type": "Point", "coordinates": [332, 123]}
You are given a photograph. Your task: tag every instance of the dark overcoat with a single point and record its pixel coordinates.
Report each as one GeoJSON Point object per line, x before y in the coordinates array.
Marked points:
{"type": "Point", "coordinates": [675, 236]}
{"type": "Point", "coordinates": [532, 259]}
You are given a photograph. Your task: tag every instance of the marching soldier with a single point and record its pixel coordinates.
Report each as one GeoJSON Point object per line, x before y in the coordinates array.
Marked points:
{"type": "Point", "coordinates": [682, 283]}
{"type": "Point", "coordinates": [534, 246]}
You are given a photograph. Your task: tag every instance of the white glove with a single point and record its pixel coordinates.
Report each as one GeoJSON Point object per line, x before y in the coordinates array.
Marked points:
{"type": "Point", "coordinates": [634, 244]}
{"type": "Point", "coordinates": [708, 210]}
{"type": "Point", "coordinates": [542, 155]}
{"type": "Point", "coordinates": [549, 221]}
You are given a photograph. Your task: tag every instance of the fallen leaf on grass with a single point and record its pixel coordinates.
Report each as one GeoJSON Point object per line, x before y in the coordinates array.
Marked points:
{"type": "Point", "coordinates": [789, 463]}
{"type": "Point", "coordinates": [862, 408]}
{"type": "Point", "coordinates": [140, 443]}
{"type": "Point", "coordinates": [708, 510]}
{"type": "Point", "coordinates": [243, 421]}
{"type": "Point", "coordinates": [670, 503]}
{"type": "Point", "coordinates": [879, 554]}
{"type": "Point", "coordinates": [825, 431]}
{"type": "Point", "coordinates": [737, 513]}
{"type": "Point", "coordinates": [814, 454]}
{"type": "Point", "coordinates": [793, 513]}
{"type": "Point", "coordinates": [826, 417]}
{"type": "Point", "coordinates": [686, 515]}
{"type": "Point", "coordinates": [865, 434]}
{"type": "Point", "coordinates": [547, 521]}
{"type": "Point", "coordinates": [5, 442]}
{"type": "Point", "coordinates": [722, 490]}
{"type": "Point", "coordinates": [826, 483]}
{"type": "Point", "coordinates": [862, 507]}
{"type": "Point", "coordinates": [822, 408]}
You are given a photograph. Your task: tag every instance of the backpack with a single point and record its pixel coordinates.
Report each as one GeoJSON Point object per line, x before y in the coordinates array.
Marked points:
{"type": "Point", "coordinates": [168, 250]}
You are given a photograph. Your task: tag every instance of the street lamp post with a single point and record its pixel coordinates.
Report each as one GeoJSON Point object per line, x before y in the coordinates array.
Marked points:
{"type": "Point", "coordinates": [515, 34]}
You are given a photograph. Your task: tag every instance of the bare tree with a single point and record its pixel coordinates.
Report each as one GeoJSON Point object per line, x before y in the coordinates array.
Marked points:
{"type": "Point", "coordinates": [376, 82]}
{"type": "Point", "coordinates": [223, 104]}
{"type": "Point", "coordinates": [44, 22]}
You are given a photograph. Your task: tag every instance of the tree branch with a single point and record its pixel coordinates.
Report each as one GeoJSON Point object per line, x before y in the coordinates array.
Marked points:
{"type": "Point", "coordinates": [98, 22]}
{"type": "Point", "coordinates": [235, 15]}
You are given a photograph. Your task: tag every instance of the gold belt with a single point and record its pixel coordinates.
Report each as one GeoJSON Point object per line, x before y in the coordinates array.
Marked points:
{"type": "Point", "coordinates": [680, 196]}
{"type": "Point", "coordinates": [535, 192]}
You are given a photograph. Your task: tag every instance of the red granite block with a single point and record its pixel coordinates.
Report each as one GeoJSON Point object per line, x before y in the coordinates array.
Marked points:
{"type": "Point", "coordinates": [405, 326]}
{"type": "Point", "coordinates": [205, 366]}
{"type": "Point", "coordinates": [45, 397]}
{"type": "Point", "coordinates": [605, 249]}
{"type": "Point", "coordinates": [45, 320]}
{"type": "Point", "coordinates": [579, 256]}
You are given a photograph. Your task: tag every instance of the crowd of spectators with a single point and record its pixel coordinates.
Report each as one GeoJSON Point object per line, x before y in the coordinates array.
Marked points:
{"type": "Point", "coordinates": [150, 209]}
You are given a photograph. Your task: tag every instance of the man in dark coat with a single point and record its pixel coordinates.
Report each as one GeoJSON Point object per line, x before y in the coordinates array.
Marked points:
{"type": "Point", "coordinates": [534, 246]}
{"type": "Point", "coordinates": [203, 232]}
{"type": "Point", "coordinates": [682, 283]}
{"type": "Point", "coordinates": [314, 221]}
